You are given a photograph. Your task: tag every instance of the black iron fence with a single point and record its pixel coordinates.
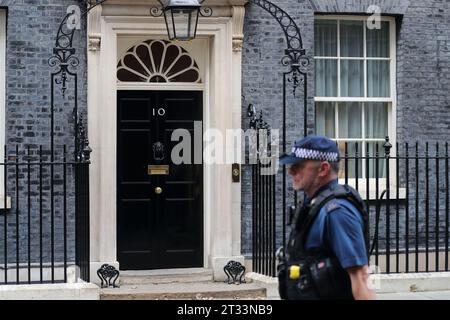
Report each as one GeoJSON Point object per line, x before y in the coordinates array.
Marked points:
{"type": "Point", "coordinates": [44, 217]}
{"type": "Point", "coordinates": [406, 191]}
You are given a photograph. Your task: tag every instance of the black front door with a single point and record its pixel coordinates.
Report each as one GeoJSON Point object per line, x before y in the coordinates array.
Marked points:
{"type": "Point", "coordinates": [160, 204]}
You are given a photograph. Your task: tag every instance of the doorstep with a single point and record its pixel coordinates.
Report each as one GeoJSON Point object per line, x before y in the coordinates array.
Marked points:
{"type": "Point", "coordinates": [172, 284]}
{"type": "Point", "coordinates": [186, 291]}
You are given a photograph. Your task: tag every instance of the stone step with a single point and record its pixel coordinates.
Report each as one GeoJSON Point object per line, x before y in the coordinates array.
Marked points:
{"type": "Point", "coordinates": [165, 276]}
{"type": "Point", "coordinates": [191, 291]}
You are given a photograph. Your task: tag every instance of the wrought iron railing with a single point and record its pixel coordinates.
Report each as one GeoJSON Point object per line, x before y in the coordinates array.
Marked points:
{"type": "Point", "coordinates": [44, 220]}
{"type": "Point", "coordinates": [406, 191]}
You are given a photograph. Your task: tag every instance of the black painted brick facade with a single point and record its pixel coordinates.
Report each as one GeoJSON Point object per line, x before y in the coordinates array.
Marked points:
{"type": "Point", "coordinates": [32, 27]}
{"type": "Point", "coordinates": [423, 75]}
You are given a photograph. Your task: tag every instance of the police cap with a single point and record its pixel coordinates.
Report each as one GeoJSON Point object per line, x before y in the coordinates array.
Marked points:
{"type": "Point", "coordinates": [312, 147]}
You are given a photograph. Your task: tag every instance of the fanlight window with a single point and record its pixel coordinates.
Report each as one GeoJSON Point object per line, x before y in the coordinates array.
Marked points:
{"type": "Point", "coordinates": [157, 61]}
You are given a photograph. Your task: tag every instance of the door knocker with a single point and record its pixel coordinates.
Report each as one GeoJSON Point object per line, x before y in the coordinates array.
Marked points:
{"type": "Point", "coordinates": [158, 151]}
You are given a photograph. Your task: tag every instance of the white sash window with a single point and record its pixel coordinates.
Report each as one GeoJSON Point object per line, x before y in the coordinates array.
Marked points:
{"type": "Point", "coordinates": [355, 86]}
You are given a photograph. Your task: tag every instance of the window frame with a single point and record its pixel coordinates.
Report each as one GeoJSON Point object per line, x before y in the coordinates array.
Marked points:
{"type": "Point", "coordinates": [391, 101]}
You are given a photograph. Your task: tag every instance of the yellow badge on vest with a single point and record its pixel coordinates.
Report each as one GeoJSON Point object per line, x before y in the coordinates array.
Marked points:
{"type": "Point", "coordinates": [294, 272]}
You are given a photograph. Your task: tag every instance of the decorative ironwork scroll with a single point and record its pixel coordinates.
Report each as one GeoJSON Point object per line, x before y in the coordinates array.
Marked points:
{"type": "Point", "coordinates": [264, 189]}
{"type": "Point", "coordinates": [65, 62]}
{"type": "Point", "coordinates": [106, 273]}
{"type": "Point", "coordinates": [290, 28]}
{"type": "Point", "coordinates": [233, 270]}
{"type": "Point", "coordinates": [294, 54]}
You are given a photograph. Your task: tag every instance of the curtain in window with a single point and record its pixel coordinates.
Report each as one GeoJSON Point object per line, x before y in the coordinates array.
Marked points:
{"type": "Point", "coordinates": [353, 169]}
{"type": "Point", "coordinates": [352, 78]}
{"type": "Point", "coordinates": [376, 127]}
{"type": "Point", "coordinates": [349, 123]}
{"type": "Point", "coordinates": [325, 116]}
{"type": "Point", "coordinates": [376, 121]}
{"type": "Point", "coordinates": [378, 78]}
{"type": "Point", "coordinates": [326, 78]}
{"type": "Point", "coordinates": [325, 40]}
{"type": "Point", "coordinates": [378, 41]}
{"type": "Point", "coordinates": [350, 127]}
{"type": "Point", "coordinates": [352, 39]}
{"type": "Point", "coordinates": [352, 71]}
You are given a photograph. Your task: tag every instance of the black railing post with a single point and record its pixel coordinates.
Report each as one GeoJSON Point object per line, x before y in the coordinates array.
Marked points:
{"type": "Point", "coordinates": [82, 241]}
{"type": "Point", "coordinates": [52, 213]}
{"type": "Point", "coordinates": [284, 193]}
{"type": "Point", "coordinates": [436, 227]}
{"type": "Point", "coordinates": [407, 207]}
{"type": "Point", "coordinates": [427, 207]}
{"type": "Point", "coordinates": [254, 177]}
{"type": "Point", "coordinates": [5, 219]}
{"type": "Point", "coordinates": [378, 204]}
{"type": "Point", "coordinates": [356, 167]}
{"type": "Point", "coordinates": [417, 209]}
{"type": "Point", "coordinates": [274, 230]}
{"type": "Point", "coordinates": [87, 222]}
{"type": "Point", "coordinates": [367, 202]}
{"type": "Point", "coordinates": [65, 210]}
{"type": "Point", "coordinates": [387, 154]}
{"type": "Point", "coordinates": [41, 216]}
{"type": "Point", "coordinates": [29, 213]}
{"type": "Point", "coordinates": [397, 212]}
{"type": "Point", "coordinates": [447, 204]}
{"type": "Point", "coordinates": [17, 217]}
{"type": "Point", "coordinates": [346, 162]}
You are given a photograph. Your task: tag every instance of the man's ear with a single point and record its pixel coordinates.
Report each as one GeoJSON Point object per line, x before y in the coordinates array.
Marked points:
{"type": "Point", "coordinates": [325, 168]}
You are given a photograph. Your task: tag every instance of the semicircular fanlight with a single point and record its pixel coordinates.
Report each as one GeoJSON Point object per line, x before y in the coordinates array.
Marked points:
{"type": "Point", "coordinates": [157, 61]}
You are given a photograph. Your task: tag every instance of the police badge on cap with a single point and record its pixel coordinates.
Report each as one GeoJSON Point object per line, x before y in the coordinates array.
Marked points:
{"type": "Point", "coordinates": [312, 148]}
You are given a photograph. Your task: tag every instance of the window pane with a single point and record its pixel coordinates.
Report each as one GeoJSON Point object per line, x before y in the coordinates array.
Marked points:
{"type": "Point", "coordinates": [352, 78]}
{"type": "Point", "coordinates": [376, 120]}
{"type": "Point", "coordinates": [326, 78]}
{"type": "Point", "coordinates": [379, 161]}
{"type": "Point", "coordinates": [378, 79]}
{"type": "Point", "coordinates": [351, 38]}
{"type": "Point", "coordinates": [354, 160]}
{"type": "Point", "coordinates": [350, 125]}
{"type": "Point", "coordinates": [325, 124]}
{"type": "Point", "coordinates": [325, 38]}
{"type": "Point", "coordinates": [378, 41]}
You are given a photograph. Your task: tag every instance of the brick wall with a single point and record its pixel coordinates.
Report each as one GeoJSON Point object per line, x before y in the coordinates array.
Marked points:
{"type": "Point", "coordinates": [32, 27]}
{"type": "Point", "coordinates": [423, 77]}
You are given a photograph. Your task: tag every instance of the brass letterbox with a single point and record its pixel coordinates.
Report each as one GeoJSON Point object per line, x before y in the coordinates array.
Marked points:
{"type": "Point", "coordinates": [158, 170]}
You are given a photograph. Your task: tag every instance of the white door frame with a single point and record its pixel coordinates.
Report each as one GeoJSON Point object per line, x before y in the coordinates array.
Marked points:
{"type": "Point", "coordinates": [222, 110]}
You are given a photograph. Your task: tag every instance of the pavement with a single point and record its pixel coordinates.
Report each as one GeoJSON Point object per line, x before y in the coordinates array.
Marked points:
{"type": "Point", "coordinates": [425, 295]}
{"type": "Point", "coordinates": [198, 284]}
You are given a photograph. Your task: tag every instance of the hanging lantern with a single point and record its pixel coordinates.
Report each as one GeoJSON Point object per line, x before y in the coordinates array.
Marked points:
{"type": "Point", "coordinates": [181, 18]}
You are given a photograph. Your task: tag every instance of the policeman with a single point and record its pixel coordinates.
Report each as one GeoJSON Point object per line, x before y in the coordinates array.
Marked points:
{"type": "Point", "coordinates": [327, 253]}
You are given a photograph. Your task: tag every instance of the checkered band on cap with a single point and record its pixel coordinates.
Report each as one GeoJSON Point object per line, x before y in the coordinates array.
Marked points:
{"type": "Point", "coordinates": [310, 154]}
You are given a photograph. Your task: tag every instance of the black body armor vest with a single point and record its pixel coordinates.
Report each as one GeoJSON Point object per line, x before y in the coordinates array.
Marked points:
{"type": "Point", "coordinates": [317, 273]}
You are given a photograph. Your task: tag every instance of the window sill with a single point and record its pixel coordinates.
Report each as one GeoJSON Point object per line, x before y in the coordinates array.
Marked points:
{"type": "Point", "coordinates": [2, 203]}
{"type": "Point", "coordinates": [372, 194]}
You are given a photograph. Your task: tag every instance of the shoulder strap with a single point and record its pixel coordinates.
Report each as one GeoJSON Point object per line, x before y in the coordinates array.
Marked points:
{"type": "Point", "coordinates": [350, 194]}
{"type": "Point", "coordinates": [335, 192]}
